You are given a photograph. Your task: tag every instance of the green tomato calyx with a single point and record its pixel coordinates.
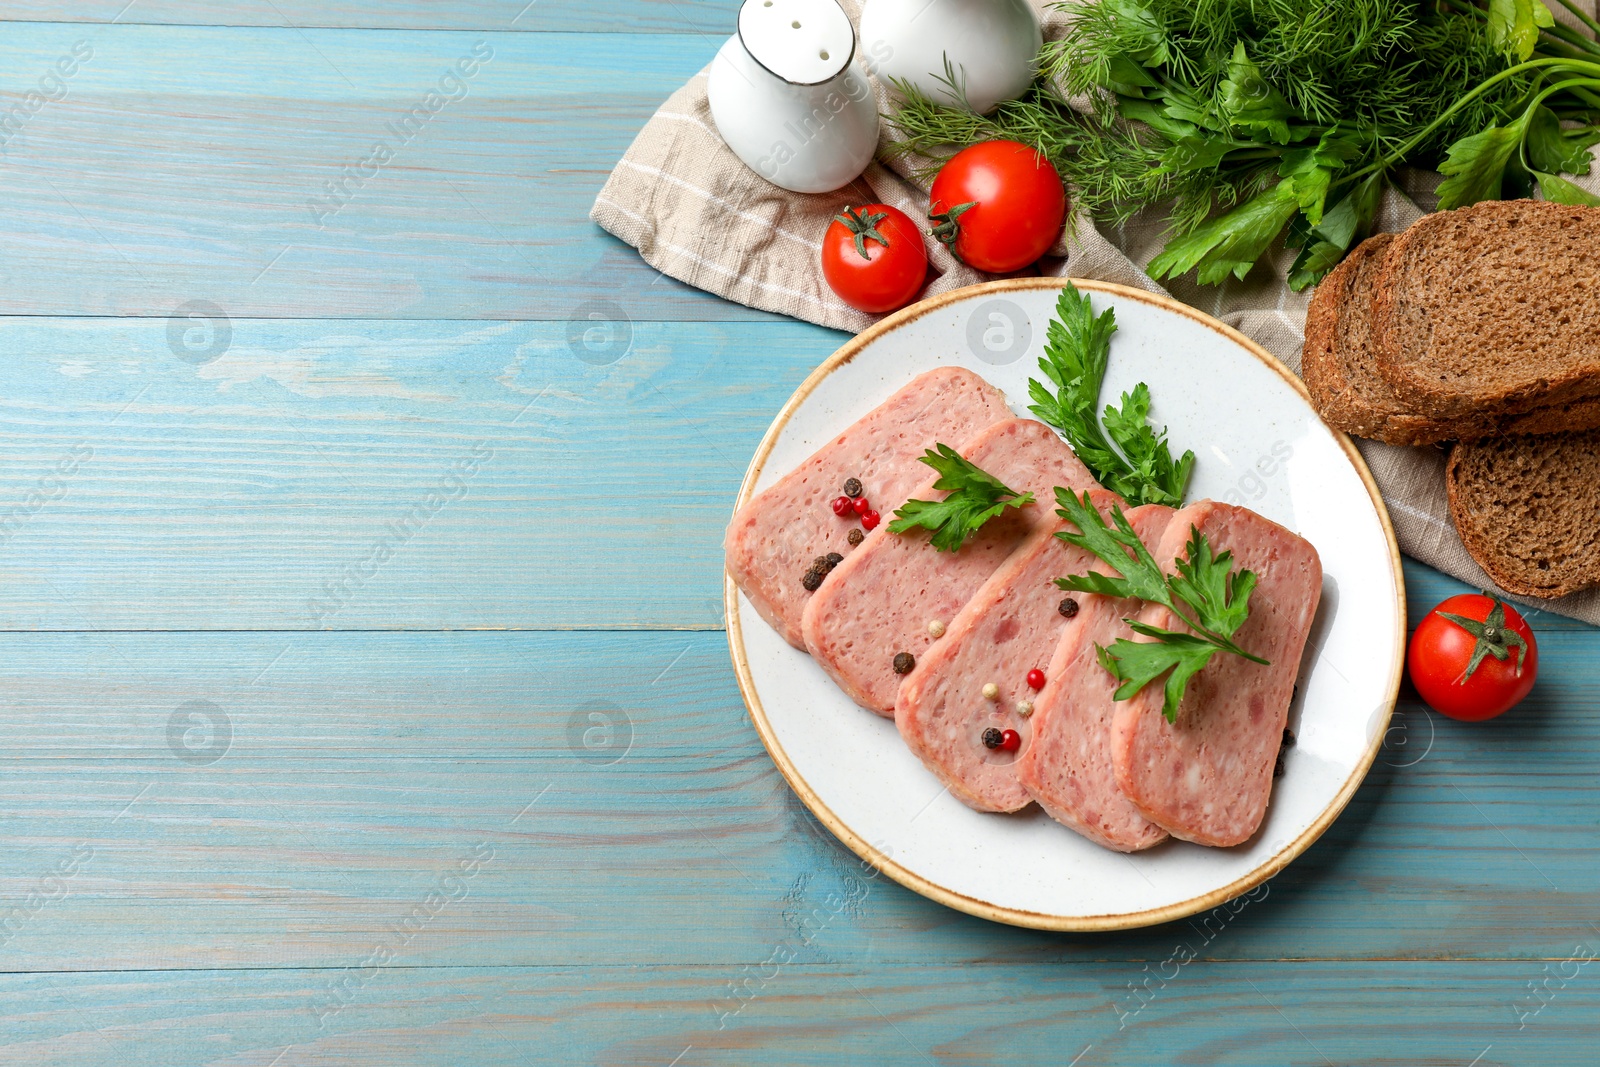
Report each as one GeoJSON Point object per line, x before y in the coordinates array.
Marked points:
{"type": "Point", "coordinates": [862, 225]}
{"type": "Point", "coordinates": [1491, 637]}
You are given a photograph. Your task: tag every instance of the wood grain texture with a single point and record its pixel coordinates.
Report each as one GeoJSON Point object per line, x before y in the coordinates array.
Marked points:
{"type": "Point", "coordinates": [634, 16]}
{"type": "Point", "coordinates": [154, 182]}
{"type": "Point", "coordinates": [432, 475]}
{"type": "Point", "coordinates": [838, 1015]}
{"type": "Point", "coordinates": [352, 771]}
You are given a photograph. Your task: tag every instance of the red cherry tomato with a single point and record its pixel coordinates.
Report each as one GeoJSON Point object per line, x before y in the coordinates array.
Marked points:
{"type": "Point", "coordinates": [998, 205]}
{"type": "Point", "coordinates": [1443, 648]}
{"type": "Point", "coordinates": [873, 257]}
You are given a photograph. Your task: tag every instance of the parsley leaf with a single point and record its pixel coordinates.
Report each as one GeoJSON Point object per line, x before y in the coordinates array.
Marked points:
{"type": "Point", "coordinates": [1230, 243]}
{"type": "Point", "coordinates": [1475, 167]}
{"type": "Point", "coordinates": [1138, 663]}
{"type": "Point", "coordinates": [1214, 599]}
{"type": "Point", "coordinates": [1250, 102]}
{"type": "Point", "coordinates": [1552, 149]}
{"type": "Point", "coordinates": [1153, 476]}
{"type": "Point", "coordinates": [1514, 25]}
{"type": "Point", "coordinates": [1077, 347]}
{"type": "Point", "coordinates": [974, 498]}
{"type": "Point", "coordinates": [1322, 246]}
{"type": "Point", "coordinates": [1564, 192]}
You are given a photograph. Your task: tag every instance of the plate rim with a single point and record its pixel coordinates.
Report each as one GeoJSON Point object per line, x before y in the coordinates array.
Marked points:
{"type": "Point", "coordinates": [919, 883]}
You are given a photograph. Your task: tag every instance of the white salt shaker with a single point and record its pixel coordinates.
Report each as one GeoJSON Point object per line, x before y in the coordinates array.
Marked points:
{"type": "Point", "coordinates": [788, 98]}
{"type": "Point", "coordinates": [992, 46]}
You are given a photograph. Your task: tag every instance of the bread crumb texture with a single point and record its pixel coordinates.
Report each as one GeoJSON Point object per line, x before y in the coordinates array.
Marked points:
{"type": "Point", "coordinates": [1528, 509]}
{"type": "Point", "coordinates": [1495, 306]}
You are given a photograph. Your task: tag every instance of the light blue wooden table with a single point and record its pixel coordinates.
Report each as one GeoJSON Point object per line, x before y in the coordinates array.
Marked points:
{"type": "Point", "coordinates": [365, 691]}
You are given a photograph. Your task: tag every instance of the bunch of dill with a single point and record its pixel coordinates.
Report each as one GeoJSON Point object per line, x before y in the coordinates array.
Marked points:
{"type": "Point", "coordinates": [1243, 118]}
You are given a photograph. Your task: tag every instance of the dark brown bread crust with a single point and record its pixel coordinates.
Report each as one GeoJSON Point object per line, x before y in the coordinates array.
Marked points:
{"type": "Point", "coordinates": [1344, 385]}
{"type": "Point", "coordinates": [1491, 308]}
{"type": "Point", "coordinates": [1528, 510]}
{"type": "Point", "coordinates": [1323, 359]}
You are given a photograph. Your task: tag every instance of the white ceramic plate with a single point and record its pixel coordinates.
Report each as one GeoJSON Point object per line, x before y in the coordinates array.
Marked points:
{"type": "Point", "coordinates": [1258, 442]}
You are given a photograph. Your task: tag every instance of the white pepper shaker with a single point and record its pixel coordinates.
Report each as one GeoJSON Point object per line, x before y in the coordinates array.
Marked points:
{"type": "Point", "coordinates": [789, 99]}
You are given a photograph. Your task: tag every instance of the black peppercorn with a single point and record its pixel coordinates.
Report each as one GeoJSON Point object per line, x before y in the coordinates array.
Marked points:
{"type": "Point", "coordinates": [811, 581]}
{"type": "Point", "coordinates": [1286, 744]}
{"type": "Point", "coordinates": [834, 559]}
{"type": "Point", "coordinates": [852, 487]}
{"type": "Point", "coordinates": [1068, 607]}
{"type": "Point", "coordinates": [903, 662]}
{"type": "Point", "coordinates": [820, 564]}
{"type": "Point", "coordinates": [992, 738]}
{"type": "Point", "coordinates": [856, 536]}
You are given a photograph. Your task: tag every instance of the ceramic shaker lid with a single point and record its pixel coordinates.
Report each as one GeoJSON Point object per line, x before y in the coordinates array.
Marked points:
{"type": "Point", "coordinates": [801, 41]}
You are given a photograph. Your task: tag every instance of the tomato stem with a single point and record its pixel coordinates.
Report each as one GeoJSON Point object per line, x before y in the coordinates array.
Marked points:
{"type": "Point", "coordinates": [862, 226]}
{"type": "Point", "coordinates": [948, 227]}
{"type": "Point", "coordinates": [1492, 638]}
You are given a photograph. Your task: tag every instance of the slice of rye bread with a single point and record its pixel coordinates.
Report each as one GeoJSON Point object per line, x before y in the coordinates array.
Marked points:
{"type": "Point", "coordinates": [1491, 308]}
{"type": "Point", "coordinates": [1352, 396]}
{"type": "Point", "coordinates": [1528, 509]}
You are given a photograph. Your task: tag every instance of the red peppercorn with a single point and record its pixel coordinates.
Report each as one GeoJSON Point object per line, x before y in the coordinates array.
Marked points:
{"type": "Point", "coordinates": [870, 520]}
{"type": "Point", "coordinates": [1036, 679]}
{"type": "Point", "coordinates": [1010, 741]}
{"type": "Point", "coordinates": [841, 506]}
{"type": "Point", "coordinates": [859, 505]}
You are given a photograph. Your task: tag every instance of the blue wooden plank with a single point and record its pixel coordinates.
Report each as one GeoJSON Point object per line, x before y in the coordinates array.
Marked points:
{"type": "Point", "coordinates": [153, 183]}
{"type": "Point", "coordinates": [855, 1013]}
{"type": "Point", "coordinates": [322, 781]}
{"type": "Point", "coordinates": [506, 473]}
{"type": "Point", "coordinates": [634, 16]}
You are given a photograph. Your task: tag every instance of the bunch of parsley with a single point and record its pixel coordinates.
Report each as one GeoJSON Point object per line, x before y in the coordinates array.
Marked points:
{"type": "Point", "coordinates": [1251, 120]}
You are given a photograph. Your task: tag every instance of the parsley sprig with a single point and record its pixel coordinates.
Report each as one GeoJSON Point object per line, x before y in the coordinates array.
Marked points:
{"type": "Point", "coordinates": [1211, 598]}
{"type": "Point", "coordinates": [1077, 346]}
{"type": "Point", "coordinates": [974, 498]}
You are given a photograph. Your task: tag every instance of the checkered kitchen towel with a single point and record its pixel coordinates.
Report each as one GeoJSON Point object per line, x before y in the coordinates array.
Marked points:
{"type": "Point", "coordinates": [697, 213]}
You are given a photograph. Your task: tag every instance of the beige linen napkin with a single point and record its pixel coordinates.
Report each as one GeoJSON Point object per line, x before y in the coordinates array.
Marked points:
{"type": "Point", "coordinates": [695, 212]}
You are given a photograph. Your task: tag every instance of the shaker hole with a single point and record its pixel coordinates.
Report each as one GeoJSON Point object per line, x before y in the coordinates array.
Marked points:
{"type": "Point", "coordinates": [796, 25]}
{"type": "Point", "coordinates": [822, 55]}
{"type": "Point", "coordinates": [767, 4]}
